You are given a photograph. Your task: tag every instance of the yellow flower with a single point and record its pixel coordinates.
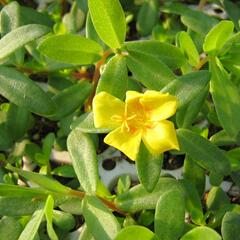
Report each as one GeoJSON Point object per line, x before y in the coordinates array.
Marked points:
{"type": "Point", "coordinates": [142, 117]}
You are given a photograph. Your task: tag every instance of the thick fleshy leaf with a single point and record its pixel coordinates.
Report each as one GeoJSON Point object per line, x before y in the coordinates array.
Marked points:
{"type": "Point", "coordinates": [148, 168]}
{"type": "Point", "coordinates": [6, 140]}
{"type": "Point", "coordinates": [70, 99]}
{"type": "Point", "coordinates": [138, 198]}
{"type": "Point", "coordinates": [20, 37]}
{"type": "Point", "coordinates": [188, 86]}
{"type": "Point", "coordinates": [22, 91]}
{"type": "Point", "coordinates": [169, 215]}
{"type": "Point", "coordinates": [109, 21]}
{"type": "Point", "coordinates": [233, 12]}
{"type": "Point", "coordinates": [217, 37]}
{"type": "Point", "coordinates": [32, 226]}
{"type": "Point", "coordinates": [71, 49]}
{"type": "Point", "coordinates": [230, 226]}
{"type": "Point", "coordinates": [147, 17]}
{"type": "Point", "coordinates": [167, 53]}
{"type": "Point", "coordinates": [188, 48]}
{"type": "Point", "coordinates": [10, 228]}
{"type": "Point", "coordinates": [203, 152]}
{"type": "Point", "coordinates": [114, 79]}
{"type": "Point", "coordinates": [83, 155]}
{"type": "Point", "coordinates": [18, 120]}
{"type": "Point", "coordinates": [41, 180]}
{"type": "Point", "coordinates": [227, 102]}
{"type": "Point", "coordinates": [85, 123]}
{"type": "Point", "coordinates": [136, 233]}
{"type": "Point", "coordinates": [200, 233]}
{"type": "Point", "coordinates": [99, 219]}
{"type": "Point", "coordinates": [150, 71]}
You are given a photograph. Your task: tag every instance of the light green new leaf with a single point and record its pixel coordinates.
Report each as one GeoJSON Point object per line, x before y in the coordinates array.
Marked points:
{"type": "Point", "coordinates": [167, 53]}
{"type": "Point", "coordinates": [22, 91]}
{"type": "Point", "coordinates": [226, 100]}
{"type": "Point", "coordinates": [217, 37]}
{"type": "Point", "coordinates": [138, 198]}
{"type": "Point", "coordinates": [83, 155]}
{"type": "Point", "coordinates": [188, 47]}
{"type": "Point", "coordinates": [203, 152]}
{"type": "Point", "coordinates": [71, 49]}
{"type": "Point", "coordinates": [150, 71]}
{"type": "Point", "coordinates": [68, 100]}
{"type": "Point", "coordinates": [109, 21]}
{"type": "Point", "coordinates": [230, 226]}
{"type": "Point", "coordinates": [187, 87]}
{"type": "Point", "coordinates": [20, 37]}
{"type": "Point", "coordinates": [114, 79]}
{"type": "Point", "coordinates": [169, 215]}
{"type": "Point", "coordinates": [148, 168]}
{"type": "Point", "coordinates": [32, 226]}
{"type": "Point", "coordinates": [99, 219]}
{"type": "Point", "coordinates": [200, 233]}
{"type": "Point", "coordinates": [48, 210]}
{"type": "Point", "coordinates": [136, 233]}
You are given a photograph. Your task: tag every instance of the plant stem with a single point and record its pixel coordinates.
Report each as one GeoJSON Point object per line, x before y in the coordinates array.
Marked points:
{"type": "Point", "coordinates": [96, 77]}
{"type": "Point", "coordinates": [202, 62]}
{"type": "Point", "coordinates": [108, 203]}
{"type": "Point", "coordinates": [3, 2]}
{"type": "Point", "coordinates": [201, 4]}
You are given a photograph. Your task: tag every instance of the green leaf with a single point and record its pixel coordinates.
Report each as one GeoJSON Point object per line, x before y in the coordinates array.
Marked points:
{"type": "Point", "coordinates": [85, 234]}
{"type": "Point", "coordinates": [221, 138]}
{"type": "Point", "coordinates": [136, 233]}
{"type": "Point", "coordinates": [10, 228]}
{"type": "Point", "coordinates": [216, 199]}
{"type": "Point", "coordinates": [165, 52]}
{"type": "Point", "coordinates": [64, 221]}
{"type": "Point", "coordinates": [18, 120]}
{"type": "Point", "coordinates": [41, 180]}
{"type": "Point", "coordinates": [227, 102]}
{"type": "Point", "coordinates": [217, 37]}
{"type": "Point", "coordinates": [147, 17]}
{"type": "Point", "coordinates": [169, 215]}
{"type": "Point", "coordinates": [230, 226]}
{"type": "Point", "coordinates": [188, 48]}
{"type": "Point", "coordinates": [233, 12]}
{"type": "Point", "coordinates": [9, 17]}
{"type": "Point", "coordinates": [114, 79]}
{"type": "Point", "coordinates": [193, 202]}
{"type": "Point", "coordinates": [186, 116]}
{"type": "Point", "coordinates": [109, 21]}
{"type": "Point", "coordinates": [70, 99]}
{"type": "Point", "coordinates": [187, 87]}
{"type": "Point", "coordinates": [71, 49]}
{"type": "Point", "coordinates": [83, 155]}
{"type": "Point", "coordinates": [48, 210]}
{"type": "Point", "coordinates": [148, 168]}
{"type": "Point", "coordinates": [203, 152]}
{"type": "Point", "coordinates": [99, 219]}
{"type": "Point", "coordinates": [22, 91]}
{"type": "Point", "coordinates": [6, 140]}
{"type": "Point", "coordinates": [200, 233]}
{"type": "Point", "coordinates": [20, 37]}
{"type": "Point", "coordinates": [32, 226]}
{"type": "Point", "coordinates": [138, 198]}
{"type": "Point", "coordinates": [150, 71]}
{"type": "Point", "coordinates": [85, 124]}
{"type": "Point", "coordinates": [195, 174]}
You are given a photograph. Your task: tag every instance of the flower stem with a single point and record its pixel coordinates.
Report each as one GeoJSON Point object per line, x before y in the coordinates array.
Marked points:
{"type": "Point", "coordinates": [201, 4]}
{"type": "Point", "coordinates": [202, 62]}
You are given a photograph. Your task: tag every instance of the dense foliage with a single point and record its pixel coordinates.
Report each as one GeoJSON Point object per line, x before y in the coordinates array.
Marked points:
{"type": "Point", "coordinates": [161, 78]}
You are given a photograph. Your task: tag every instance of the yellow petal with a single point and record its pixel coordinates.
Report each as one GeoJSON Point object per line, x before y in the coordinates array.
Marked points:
{"type": "Point", "coordinates": [107, 110]}
{"type": "Point", "coordinates": [133, 95]}
{"type": "Point", "coordinates": [160, 138]}
{"type": "Point", "coordinates": [159, 106]}
{"type": "Point", "coordinates": [126, 142]}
